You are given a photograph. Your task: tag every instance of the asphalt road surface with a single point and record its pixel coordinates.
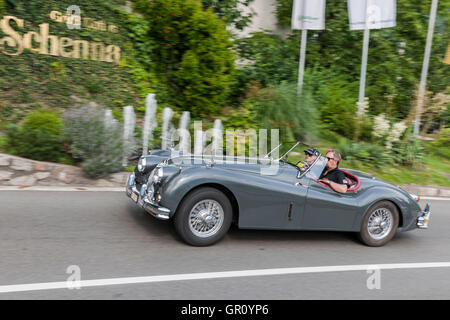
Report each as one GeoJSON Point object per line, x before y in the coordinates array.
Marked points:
{"type": "Point", "coordinates": [106, 236]}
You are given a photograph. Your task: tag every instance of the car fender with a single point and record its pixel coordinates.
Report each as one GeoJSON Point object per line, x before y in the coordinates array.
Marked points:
{"type": "Point", "coordinates": [407, 208]}
{"type": "Point", "coordinates": [180, 184]}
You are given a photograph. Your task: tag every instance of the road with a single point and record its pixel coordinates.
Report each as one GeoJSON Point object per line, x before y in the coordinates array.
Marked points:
{"type": "Point", "coordinates": [108, 236]}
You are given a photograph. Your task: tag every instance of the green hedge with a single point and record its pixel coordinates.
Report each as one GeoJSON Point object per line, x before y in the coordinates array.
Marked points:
{"type": "Point", "coordinates": [39, 137]}
{"type": "Point", "coordinates": [50, 81]}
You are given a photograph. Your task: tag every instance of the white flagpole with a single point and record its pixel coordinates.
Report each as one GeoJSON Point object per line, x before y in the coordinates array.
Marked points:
{"type": "Point", "coordinates": [426, 60]}
{"type": "Point", "coordinates": [301, 64]}
{"type": "Point", "coordinates": [306, 14]}
{"type": "Point", "coordinates": [365, 51]}
{"type": "Point", "coordinates": [362, 81]}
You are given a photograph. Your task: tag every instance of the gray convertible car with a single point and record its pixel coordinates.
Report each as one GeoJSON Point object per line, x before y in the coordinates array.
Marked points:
{"type": "Point", "coordinates": [205, 194]}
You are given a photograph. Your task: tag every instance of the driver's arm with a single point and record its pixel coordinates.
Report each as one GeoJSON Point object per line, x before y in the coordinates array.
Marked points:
{"type": "Point", "coordinates": [342, 188]}
{"type": "Point", "coordinates": [338, 187]}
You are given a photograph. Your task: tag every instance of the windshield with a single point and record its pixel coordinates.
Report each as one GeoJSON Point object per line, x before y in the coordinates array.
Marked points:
{"type": "Point", "coordinates": [317, 169]}
{"type": "Point", "coordinates": [296, 156]}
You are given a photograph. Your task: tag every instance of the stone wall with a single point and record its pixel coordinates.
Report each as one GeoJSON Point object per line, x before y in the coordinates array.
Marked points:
{"type": "Point", "coordinates": [16, 171]}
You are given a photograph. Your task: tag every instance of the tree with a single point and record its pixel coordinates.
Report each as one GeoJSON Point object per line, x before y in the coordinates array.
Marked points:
{"type": "Point", "coordinates": [192, 54]}
{"type": "Point", "coordinates": [230, 11]}
{"type": "Point", "coordinates": [395, 54]}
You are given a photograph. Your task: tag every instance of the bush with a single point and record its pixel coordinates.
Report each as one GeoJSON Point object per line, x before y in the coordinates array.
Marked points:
{"type": "Point", "coordinates": [279, 107]}
{"type": "Point", "coordinates": [441, 145]}
{"type": "Point", "coordinates": [338, 105]}
{"type": "Point", "coordinates": [99, 146]}
{"type": "Point", "coordinates": [39, 137]}
{"type": "Point", "coordinates": [370, 154]}
{"type": "Point", "coordinates": [3, 142]}
{"type": "Point", "coordinates": [408, 152]}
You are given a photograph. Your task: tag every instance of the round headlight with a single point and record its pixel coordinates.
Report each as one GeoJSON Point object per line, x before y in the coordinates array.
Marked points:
{"type": "Point", "coordinates": [160, 172]}
{"type": "Point", "coordinates": [141, 164]}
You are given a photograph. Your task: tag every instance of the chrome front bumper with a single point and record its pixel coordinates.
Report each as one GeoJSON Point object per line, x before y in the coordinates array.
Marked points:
{"type": "Point", "coordinates": [144, 201]}
{"type": "Point", "coordinates": [424, 218]}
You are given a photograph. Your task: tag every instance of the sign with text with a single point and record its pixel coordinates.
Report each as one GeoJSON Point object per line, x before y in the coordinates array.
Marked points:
{"type": "Point", "coordinates": [308, 14]}
{"type": "Point", "coordinates": [376, 14]}
{"type": "Point", "coordinates": [15, 41]}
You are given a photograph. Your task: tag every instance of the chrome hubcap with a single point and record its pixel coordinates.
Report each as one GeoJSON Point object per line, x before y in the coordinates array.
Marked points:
{"type": "Point", "coordinates": [380, 223]}
{"type": "Point", "coordinates": [206, 218]}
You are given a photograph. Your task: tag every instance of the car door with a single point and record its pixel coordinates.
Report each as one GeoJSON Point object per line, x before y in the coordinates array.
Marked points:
{"type": "Point", "coordinates": [326, 209]}
{"type": "Point", "coordinates": [272, 202]}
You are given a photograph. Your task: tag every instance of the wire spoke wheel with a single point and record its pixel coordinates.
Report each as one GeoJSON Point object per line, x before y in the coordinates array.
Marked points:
{"type": "Point", "coordinates": [206, 218]}
{"type": "Point", "coordinates": [380, 223]}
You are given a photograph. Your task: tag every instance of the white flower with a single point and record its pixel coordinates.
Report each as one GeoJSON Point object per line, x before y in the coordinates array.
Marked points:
{"type": "Point", "coordinates": [395, 133]}
{"type": "Point", "coordinates": [381, 126]}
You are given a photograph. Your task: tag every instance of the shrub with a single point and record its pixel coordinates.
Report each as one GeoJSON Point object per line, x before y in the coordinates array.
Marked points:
{"type": "Point", "coordinates": [99, 146]}
{"type": "Point", "coordinates": [370, 154]}
{"type": "Point", "coordinates": [441, 145]}
{"type": "Point", "coordinates": [3, 142]}
{"type": "Point", "coordinates": [279, 107]}
{"type": "Point", "coordinates": [337, 105]}
{"type": "Point", "coordinates": [39, 137]}
{"type": "Point", "coordinates": [408, 152]}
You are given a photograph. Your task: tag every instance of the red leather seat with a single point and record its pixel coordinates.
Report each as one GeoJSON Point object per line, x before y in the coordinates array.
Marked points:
{"type": "Point", "coordinates": [353, 182]}
{"type": "Point", "coordinates": [356, 183]}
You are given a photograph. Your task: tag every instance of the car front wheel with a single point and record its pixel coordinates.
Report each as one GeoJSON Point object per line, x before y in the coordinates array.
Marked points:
{"type": "Point", "coordinates": [203, 217]}
{"type": "Point", "coordinates": [379, 224]}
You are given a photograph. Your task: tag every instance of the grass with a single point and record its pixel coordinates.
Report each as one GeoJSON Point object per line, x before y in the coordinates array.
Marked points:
{"type": "Point", "coordinates": [129, 168]}
{"type": "Point", "coordinates": [435, 172]}
{"type": "Point", "coordinates": [2, 142]}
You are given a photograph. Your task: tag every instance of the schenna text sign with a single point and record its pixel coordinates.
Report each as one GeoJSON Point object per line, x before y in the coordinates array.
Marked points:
{"type": "Point", "coordinates": [15, 41]}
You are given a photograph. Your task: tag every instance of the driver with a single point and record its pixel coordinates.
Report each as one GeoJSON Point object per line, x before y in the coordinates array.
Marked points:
{"type": "Point", "coordinates": [311, 155]}
{"type": "Point", "coordinates": [331, 175]}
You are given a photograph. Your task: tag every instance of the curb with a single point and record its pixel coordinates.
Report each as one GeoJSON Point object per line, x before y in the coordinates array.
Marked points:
{"type": "Point", "coordinates": [426, 191]}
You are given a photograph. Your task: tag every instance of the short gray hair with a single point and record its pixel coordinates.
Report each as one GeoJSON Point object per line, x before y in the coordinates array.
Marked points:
{"type": "Point", "coordinates": [336, 155]}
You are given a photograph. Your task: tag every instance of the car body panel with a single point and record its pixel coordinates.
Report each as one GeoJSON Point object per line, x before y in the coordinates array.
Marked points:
{"type": "Point", "coordinates": [282, 200]}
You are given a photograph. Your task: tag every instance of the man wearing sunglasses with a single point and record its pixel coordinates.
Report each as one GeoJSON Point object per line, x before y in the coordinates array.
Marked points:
{"type": "Point", "coordinates": [331, 175]}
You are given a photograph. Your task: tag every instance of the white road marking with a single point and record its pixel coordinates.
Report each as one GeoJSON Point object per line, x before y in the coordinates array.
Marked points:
{"type": "Point", "coordinates": [217, 275]}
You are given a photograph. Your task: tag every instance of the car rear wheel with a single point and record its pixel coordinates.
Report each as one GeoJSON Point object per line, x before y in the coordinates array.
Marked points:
{"type": "Point", "coordinates": [203, 217]}
{"type": "Point", "coordinates": [379, 224]}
